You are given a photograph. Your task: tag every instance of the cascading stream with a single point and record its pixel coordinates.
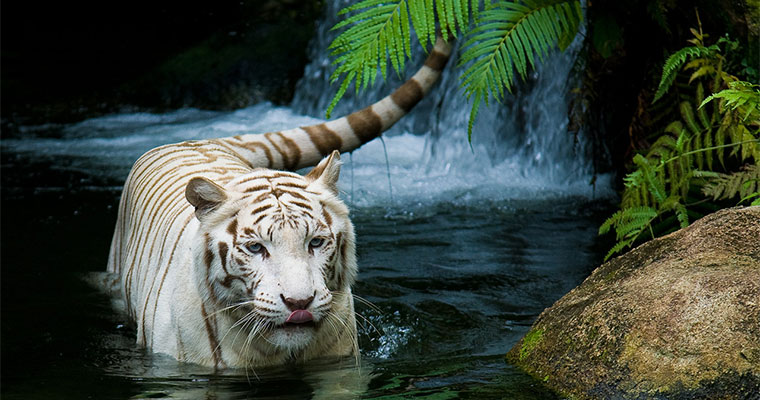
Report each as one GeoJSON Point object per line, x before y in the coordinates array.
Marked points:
{"type": "Point", "coordinates": [521, 149]}
{"type": "Point", "coordinates": [523, 142]}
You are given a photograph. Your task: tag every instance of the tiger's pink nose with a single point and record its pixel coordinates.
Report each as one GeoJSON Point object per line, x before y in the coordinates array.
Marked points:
{"type": "Point", "coordinates": [296, 304]}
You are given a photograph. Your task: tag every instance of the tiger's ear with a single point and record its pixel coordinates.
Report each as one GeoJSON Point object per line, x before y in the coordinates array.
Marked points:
{"type": "Point", "coordinates": [205, 196]}
{"type": "Point", "coordinates": [327, 172]}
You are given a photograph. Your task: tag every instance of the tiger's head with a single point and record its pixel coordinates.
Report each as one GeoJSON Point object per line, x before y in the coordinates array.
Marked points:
{"type": "Point", "coordinates": [275, 251]}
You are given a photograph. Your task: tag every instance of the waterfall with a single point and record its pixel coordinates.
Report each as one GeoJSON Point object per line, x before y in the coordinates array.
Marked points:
{"type": "Point", "coordinates": [521, 149]}
{"type": "Point", "coordinates": [522, 142]}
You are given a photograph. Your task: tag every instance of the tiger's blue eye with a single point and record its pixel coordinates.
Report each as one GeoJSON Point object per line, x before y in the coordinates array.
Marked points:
{"type": "Point", "coordinates": [316, 242]}
{"type": "Point", "coordinates": [254, 248]}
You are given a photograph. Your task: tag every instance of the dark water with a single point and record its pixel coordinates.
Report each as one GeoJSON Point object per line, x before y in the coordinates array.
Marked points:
{"type": "Point", "coordinates": [454, 286]}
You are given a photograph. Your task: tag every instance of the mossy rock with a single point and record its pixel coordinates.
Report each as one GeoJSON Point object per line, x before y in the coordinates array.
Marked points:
{"type": "Point", "coordinates": [675, 318]}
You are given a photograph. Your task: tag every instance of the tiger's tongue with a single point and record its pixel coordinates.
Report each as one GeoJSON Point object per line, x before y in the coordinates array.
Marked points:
{"type": "Point", "coordinates": [300, 317]}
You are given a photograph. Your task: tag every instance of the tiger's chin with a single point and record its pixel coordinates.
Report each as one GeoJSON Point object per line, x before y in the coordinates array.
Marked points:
{"type": "Point", "coordinates": [293, 337]}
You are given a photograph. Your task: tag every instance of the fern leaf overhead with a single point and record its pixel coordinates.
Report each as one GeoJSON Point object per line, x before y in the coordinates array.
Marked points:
{"type": "Point", "coordinates": [379, 30]}
{"type": "Point", "coordinates": [373, 32]}
{"type": "Point", "coordinates": [507, 38]}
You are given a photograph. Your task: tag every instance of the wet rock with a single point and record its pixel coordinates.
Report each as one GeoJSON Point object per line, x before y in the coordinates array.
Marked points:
{"type": "Point", "coordinates": [675, 318]}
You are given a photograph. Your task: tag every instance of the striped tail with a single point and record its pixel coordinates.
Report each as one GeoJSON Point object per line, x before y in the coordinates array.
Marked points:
{"type": "Point", "coordinates": [306, 146]}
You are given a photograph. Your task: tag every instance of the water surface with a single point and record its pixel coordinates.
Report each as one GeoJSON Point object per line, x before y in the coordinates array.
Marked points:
{"type": "Point", "coordinates": [457, 263]}
{"type": "Point", "coordinates": [460, 245]}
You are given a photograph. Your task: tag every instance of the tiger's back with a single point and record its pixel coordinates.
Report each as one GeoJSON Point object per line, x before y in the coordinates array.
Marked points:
{"type": "Point", "coordinates": [155, 218]}
{"type": "Point", "coordinates": [189, 255]}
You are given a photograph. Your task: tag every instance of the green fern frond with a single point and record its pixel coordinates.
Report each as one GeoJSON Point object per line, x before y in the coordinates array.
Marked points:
{"type": "Point", "coordinates": [707, 70]}
{"type": "Point", "coordinates": [667, 144]}
{"type": "Point", "coordinates": [674, 164]}
{"type": "Point", "coordinates": [737, 184]}
{"type": "Point", "coordinates": [374, 34]}
{"type": "Point", "coordinates": [654, 186]}
{"type": "Point", "coordinates": [423, 21]}
{"type": "Point", "coordinates": [707, 142]}
{"type": "Point", "coordinates": [508, 37]}
{"type": "Point", "coordinates": [687, 114]}
{"type": "Point", "coordinates": [610, 222]}
{"type": "Point", "coordinates": [720, 140]}
{"type": "Point", "coordinates": [378, 31]}
{"type": "Point", "coordinates": [454, 15]}
{"type": "Point", "coordinates": [674, 63]}
{"type": "Point", "coordinates": [740, 95]}
{"type": "Point", "coordinates": [633, 227]}
{"type": "Point", "coordinates": [755, 196]}
{"type": "Point", "coordinates": [636, 192]}
{"type": "Point", "coordinates": [750, 144]}
{"type": "Point", "coordinates": [682, 215]}
{"type": "Point", "coordinates": [628, 224]}
{"type": "Point", "coordinates": [473, 114]}
{"type": "Point", "coordinates": [704, 118]}
{"type": "Point", "coordinates": [628, 221]}
{"type": "Point", "coordinates": [634, 179]}
{"type": "Point", "coordinates": [618, 247]}
{"type": "Point", "coordinates": [673, 203]}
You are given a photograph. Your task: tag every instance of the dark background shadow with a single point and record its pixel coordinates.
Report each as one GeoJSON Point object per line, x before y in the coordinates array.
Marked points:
{"type": "Point", "coordinates": [66, 61]}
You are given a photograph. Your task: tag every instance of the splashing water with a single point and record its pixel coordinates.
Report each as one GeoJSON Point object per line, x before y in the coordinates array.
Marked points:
{"type": "Point", "coordinates": [520, 149]}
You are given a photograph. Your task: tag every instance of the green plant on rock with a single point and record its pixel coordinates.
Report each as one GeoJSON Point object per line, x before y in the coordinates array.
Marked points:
{"type": "Point", "coordinates": [709, 153]}
{"type": "Point", "coordinates": [502, 39]}
{"type": "Point", "coordinates": [530, 341]}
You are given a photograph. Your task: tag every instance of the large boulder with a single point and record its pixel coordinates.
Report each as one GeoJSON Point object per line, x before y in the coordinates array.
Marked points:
{"type": "Point", "coordinates": [676, 318]}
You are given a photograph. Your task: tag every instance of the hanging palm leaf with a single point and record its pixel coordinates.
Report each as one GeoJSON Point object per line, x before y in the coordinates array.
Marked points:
{"type": "Point", "coordinates": [379, 30]}
{"type": "Point", "coordinates": [508, 36]}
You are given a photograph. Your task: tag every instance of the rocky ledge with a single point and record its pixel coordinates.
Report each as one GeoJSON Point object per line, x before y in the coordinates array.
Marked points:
{"type": "Point", "coordinates": [676, 318]}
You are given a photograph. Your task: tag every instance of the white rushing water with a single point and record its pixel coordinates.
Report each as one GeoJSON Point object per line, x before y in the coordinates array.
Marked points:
{"type": "Point", "coordinates": [520, 149]}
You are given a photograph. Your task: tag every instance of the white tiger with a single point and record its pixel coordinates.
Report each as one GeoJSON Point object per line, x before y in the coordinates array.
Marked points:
{"type": "Point", "coordinates": [225, 261]}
